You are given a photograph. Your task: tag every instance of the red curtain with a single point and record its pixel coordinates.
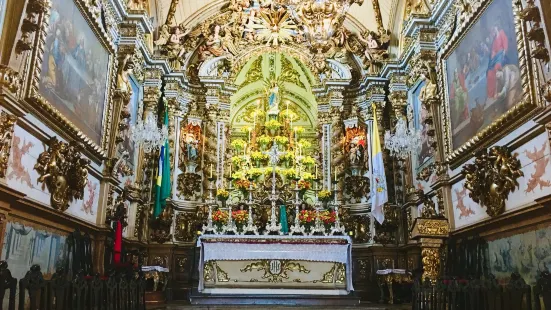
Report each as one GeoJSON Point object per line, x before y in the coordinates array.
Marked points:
{"type": "Point", "coordinates": [118, 243]}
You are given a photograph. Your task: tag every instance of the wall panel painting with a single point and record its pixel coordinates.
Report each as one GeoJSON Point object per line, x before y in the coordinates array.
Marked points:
{"type": "Point", "coordinates": [75, 69]}
{"type": "Point", "coordinates": [86, 208]}
{"type": "Point", "coordinates": [483, 75]}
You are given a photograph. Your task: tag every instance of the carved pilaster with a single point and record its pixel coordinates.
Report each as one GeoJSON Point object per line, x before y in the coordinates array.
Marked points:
{"type": "Point", "coordinates": [337, 148]}
{"type": "Point", "coordinates": [7, 122]}
{"type": "Point", "coordinates": [398, 99]}
{"type": "Point", "coordinates": [431, 234]}
{"type": "Point", "coordinates": [209, 143]}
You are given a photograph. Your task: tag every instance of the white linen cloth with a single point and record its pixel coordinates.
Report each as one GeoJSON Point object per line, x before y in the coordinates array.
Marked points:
{"type": "Point", "coordinates": [302, 248]}
{"type": "Point", "coordinates": [389, 271]}
{"type": "Point", "coordinates": [154, 268]}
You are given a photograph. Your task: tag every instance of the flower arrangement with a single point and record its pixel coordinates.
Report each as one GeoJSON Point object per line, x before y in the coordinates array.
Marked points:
{"type": "Point", "coordinates": [264, 139]}
{"type": "Point", "coordinates": [307, 217]}
{"type": "Point", "coordinates": [222, 194]}
{"type": "Point", "coordinates": [237, 160]}
{"type": "Point", "coordinates": [328, 217]}
{"type": "Point", "coordinates": [240, 217]}
{"type": "Point", "coordinates": [281, 140]}
{"type": "Point", "coordinates": [238, 175]}
{"type": "Point", "coordinates": [243, 184]}
{"type": "Point", "coordinates": [238, 144]}
{"type": "Point", "coordinates": [288, 114]}
{"type": "Point", "coordinates": [298, 129]}
{"type": "Point", "coordinates": [307, 176]}
{"type": "Point", "coordinates": [303, 143]}
{"type": "Point", "coordinates": [308, 161]}
{"type": "Point", "coordinates": [289, 156]}
{"type": "Point", "coordinates": [246, 129]}
{"type": "Point", "coordinates": [324, 195]}
{"type": "Point", "coordinates": [290, 173]}
{"type": "Point", "coordinates": [303, 185]}
{"type": "Point", "coordinates": [219, 218]}
{"type": "Point", "coordinates": [255, 172]}
{"type": "Point", "coordinates": [272, 124]}
{"type": "Point", "coordinates": [258, 156]}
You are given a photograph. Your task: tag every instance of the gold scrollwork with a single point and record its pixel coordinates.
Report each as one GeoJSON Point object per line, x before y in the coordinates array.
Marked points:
{"type": "Point", "coordinates": [7, 122]}
{"type": "Point", "coordinates": [337, 274]}
{"type": "Point", "coordinates": [433, 227]}
{"type": "Point", "coordinates": [429, 207]}
{"type": "Point", "coordinates": [63, 171]}
{"type": "Point", "coordinates": [492, 177]}
{"type": "Point", "coordinates": [431, 263]}
{"type": "Point", "coordinates": [185, 227]}
{"type": "Point", "coordinates": [9, 78]}
{"type": "Point", "coordinates": [208, 272]}
{"type": "Point", "coordinates": [286, 267]}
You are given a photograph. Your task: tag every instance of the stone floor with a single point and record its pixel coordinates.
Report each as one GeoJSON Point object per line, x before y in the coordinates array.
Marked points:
{"type": "Point", "coordinates": [266, 307]}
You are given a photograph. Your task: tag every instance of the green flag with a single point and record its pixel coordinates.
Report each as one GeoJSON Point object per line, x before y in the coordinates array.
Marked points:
{"type": "Point", "coordinates": [283, 219]}
{"type": "Point", "coordinates": [162, 186]}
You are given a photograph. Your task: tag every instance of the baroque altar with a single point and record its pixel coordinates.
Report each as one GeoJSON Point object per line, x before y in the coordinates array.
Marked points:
{"type": "Point", "coordinates": [281, 265]}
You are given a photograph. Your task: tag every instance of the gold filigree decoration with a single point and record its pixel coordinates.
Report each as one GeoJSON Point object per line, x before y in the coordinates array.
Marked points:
{"type": "Point", "coordinates": [188, 184]}
{"type": "Point", "coordinates": [160, 227]}
{"type": "Point", "coordinates": [492, 177]}
{"type": "Point", "coordinates": [328, 277]}
{"type": "Point", "coordinates": [286, 267]}
{"type": "Point", "coordinates": [536, 34]}
{"type": "Point", "coordinates": [9, 79]}
{"type": "Point", "coordinates": [181, 263]}
{"type": "Point", "coordinates": [431, 263]}
{"type": "Point", "coordinates": [429, 207]}
{"type": "Point", "coordinates": [255, 72]}
{"type": "Point", "coordinates": [63, 171]}
{"type": "Point", "coordinates": [7, 122]}
{"type": "Point", "coordinates": [208, 272]}
{"type": "Point", "coordinates": [221, 275]}
{"type": "Point", "coordinates": [118, 210]}
{"type": "Point", "coordinates": [433, 227]}
{"type": "Point", "coordinates": [185, 227]}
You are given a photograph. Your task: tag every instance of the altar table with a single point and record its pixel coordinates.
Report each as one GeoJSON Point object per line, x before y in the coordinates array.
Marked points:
{"type": "Point", "coordinates": [297, 265]}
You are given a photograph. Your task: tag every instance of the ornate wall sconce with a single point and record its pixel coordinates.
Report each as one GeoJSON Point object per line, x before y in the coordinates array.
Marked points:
{"type": "Point", "coordinates": [63, 171]}
{"type": "Point", "coordinates": [492, 177]}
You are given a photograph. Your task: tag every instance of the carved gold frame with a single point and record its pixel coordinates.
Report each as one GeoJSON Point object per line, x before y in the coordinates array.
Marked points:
{"type": "Point", "coordinates": [514, 117]}
{"type": "Point", "coordinates": [52, 116]}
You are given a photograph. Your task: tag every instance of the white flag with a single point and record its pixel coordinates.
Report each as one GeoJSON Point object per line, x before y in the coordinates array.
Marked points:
{"type": "Point", "coordinates": [379, 191]}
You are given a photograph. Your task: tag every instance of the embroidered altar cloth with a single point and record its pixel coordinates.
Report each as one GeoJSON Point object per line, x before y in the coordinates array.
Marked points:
{"type": "Point", "coordinates": [333, 249]}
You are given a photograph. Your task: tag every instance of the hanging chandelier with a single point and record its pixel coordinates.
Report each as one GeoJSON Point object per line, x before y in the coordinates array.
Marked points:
{"type": "Point", "coordinates": [148, 135]}
{"type": "Point", "coordinates": [405, 141]}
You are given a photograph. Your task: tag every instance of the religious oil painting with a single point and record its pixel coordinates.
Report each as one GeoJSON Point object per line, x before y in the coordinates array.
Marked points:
{"type": "Point", "coordinates": [127, 143]}
{"type": "Point", "coordinates": [484, 79]}
{"type": "Point", "coordinates": [420, 114]}
{"type": "Point", "coordinates": [527, 253]}
{"type": "Point", "coordinates": [75, 69]}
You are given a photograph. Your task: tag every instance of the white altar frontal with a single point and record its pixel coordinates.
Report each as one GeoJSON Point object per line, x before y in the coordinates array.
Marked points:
{"type": "Point", "coordinates": [275, 265]}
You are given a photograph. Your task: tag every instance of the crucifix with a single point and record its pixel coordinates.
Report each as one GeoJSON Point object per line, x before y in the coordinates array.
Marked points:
{"type": "Point", "coordinates": [274, 156]}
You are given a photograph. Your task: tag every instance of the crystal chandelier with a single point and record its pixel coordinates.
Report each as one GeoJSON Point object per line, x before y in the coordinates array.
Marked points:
{"type": "Point", "coordinates": [405, 141]}
{"type": "Point", "coordinates": [148, 134]}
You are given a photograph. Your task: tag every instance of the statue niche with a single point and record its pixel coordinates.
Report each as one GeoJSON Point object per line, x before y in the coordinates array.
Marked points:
{"type": "Point", "coordinates": [63, 171]}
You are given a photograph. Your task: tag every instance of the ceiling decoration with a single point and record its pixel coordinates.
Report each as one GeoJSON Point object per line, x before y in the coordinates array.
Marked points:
{"type": "Point", "coordinates": [312, 27]}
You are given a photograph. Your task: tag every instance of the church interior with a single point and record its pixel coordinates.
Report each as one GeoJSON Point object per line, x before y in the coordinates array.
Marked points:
{"type": "Point", "coordinates": [191, 154]}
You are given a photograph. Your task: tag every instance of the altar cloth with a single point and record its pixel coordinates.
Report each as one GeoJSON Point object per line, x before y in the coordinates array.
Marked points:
{"type": "Point", "coordinates": [323, 249]}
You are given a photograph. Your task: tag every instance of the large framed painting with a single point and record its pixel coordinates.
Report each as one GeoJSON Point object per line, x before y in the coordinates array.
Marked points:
{"type": "Point", "coordinates": [487, 81]}
{"type": "Point", "coordinates": [74, 72]}
{"type": "Point", "coordinates": [420, 114]}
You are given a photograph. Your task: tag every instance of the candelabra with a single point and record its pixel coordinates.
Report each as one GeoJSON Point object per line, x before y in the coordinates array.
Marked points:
{"type": "Point", "coordinates": [273, 227]}
{"type": "Point", "coordinates": [251, 228]}
{"type": "Point", "coordinates": [337, 228]}
{"type": "Point", "coordinates": [319, 228]}
{"type": "Point", "coordinates": [209, 229]}
{"type": "Point", "coordinates": [148, 134]}
{"type": "Point", "coordinates": [405, 140]}
{"type": "Point", "coordinates": [297, 229]}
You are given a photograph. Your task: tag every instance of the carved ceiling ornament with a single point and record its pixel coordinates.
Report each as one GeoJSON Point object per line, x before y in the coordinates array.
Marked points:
{"type": "Point", "coordinates": [492, 177]}
{"type": "Point", "coordinates": [63, 171]}
{"type": "Point", "coordinates": [239, 30]}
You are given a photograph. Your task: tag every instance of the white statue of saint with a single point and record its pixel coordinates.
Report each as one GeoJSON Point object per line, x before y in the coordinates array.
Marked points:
{"type": "Point", "coordinates": [273, 99]}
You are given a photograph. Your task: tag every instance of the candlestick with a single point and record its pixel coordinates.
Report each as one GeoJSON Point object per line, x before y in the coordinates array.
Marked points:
{"type": "Point", "coordinates": [336, 174]}
{"type": "Point", "coordinates": [211, 171]}
{"type": "Point", "coordinates": [230, 169]}
{"type": "Point", "coordinates": [245, 149]}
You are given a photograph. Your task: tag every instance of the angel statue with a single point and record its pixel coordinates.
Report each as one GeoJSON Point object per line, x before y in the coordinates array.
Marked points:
{"type": "Point", "coordinates": [373, 51]}
{"type": "Point", "coordinates": [173, 43]}
{"type": "Point", "coordinates": [273, 99]}
{"type": "Point", "coordinates": [213, 46]}
{"type": "Point", "coordinates": [428, 91]}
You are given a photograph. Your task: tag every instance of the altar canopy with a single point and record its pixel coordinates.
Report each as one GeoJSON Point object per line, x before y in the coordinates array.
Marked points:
{"type": "Point", "coordinates": [311, 265]}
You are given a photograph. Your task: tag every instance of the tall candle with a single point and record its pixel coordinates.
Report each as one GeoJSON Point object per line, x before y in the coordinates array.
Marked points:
{"type": "Point", "coordinates": [336, 174]}
{"type": "Point", "coordinates": [211, 171]}
{"type": "Point", "coordinates": [230, 169]}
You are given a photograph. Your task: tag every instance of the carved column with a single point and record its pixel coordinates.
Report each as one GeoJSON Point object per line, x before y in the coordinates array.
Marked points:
{"type": "Point", "coordinates": [209, 144]}
{"type": "Point", "coordinates": [431, 232]}
{"type": "Point", "coordinates": [398, 99]}
{"type": "Point", "coordinates": [223, 156]}
{"type": "Point", "coordinates": [325, 132]}
{"type": "Point", "coordinates": [337, 141]}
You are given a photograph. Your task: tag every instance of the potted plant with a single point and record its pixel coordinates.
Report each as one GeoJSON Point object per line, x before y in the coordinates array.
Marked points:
{"type": "Point", "coordinates": [303, 186]}
{"type": "Point", "coordinates": [222, 195]}
{"type": "Point", "coordinates": [240, 218]}
{"type": "Point", "coordinates": [255, 173]}
{"type": "Point", "coordinates": [257, 157]}
{"type": "Point", "coordinates": [282, 141]}
{"type": "Point", "coordinates": [324, 196]}
{"type": "Point", "coordinates": [328, 218]}
{"type": "Point", "coordinates": [219, 219]}
{"type": "Point", "coordinates": [304, 144]}
{"type": "Point", "coordinates": [263, 141]}
{"type": "Point", "coordinates": [272, 126]}
{"type": "Point", "coordinates": [307, 218]}
{"type": "Point", "coordinates": [238, 145]}
{"type": "Point", "coordinates": [243, 186]}
{"type": "Point", "coordinates": [237, 160]}
{"type": "Point", "coordinates": [306, 176]}
{"type": "Point", "coordinates": [288, 159]}
{"type": "Point", "coordinates": [290, 173]}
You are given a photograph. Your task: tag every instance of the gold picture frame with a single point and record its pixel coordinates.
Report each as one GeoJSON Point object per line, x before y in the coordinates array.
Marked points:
{"type": "Point", "coordinates": [49, 111]}
{"type": "Point", "coordinates": [517, 108]}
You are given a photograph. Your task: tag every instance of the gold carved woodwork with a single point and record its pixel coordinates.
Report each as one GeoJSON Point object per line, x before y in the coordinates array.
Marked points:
{"type": "Point", "coordinates": [160, 227]}
{"type": "Point", "coordinates": [337, 274]}
{"type": "Point", "coordinates": [185, 227]}
{"type": "Point", "coordinates": [63, 171]}
{"type": "Point", "coordinates": [431, 263]}
{"type": "Point", "coordinates": [140, 220]}
{"type": "Point", "coordinates": [286, 266]}
{"type": "Point", "coordinates": [208, 271]}
{"type": "Point", "coordinates": [188, 185]}
{"type": "Point", "coordinates": [357, 186]}
{"type": "Point", "coordinates": [181, 264]}
{"type": "Point", "coordinates": [360, 225]}
{"type": "Point", "coordinates": [431, 227]}
{"type": "Point", "coordinates": [536, 34]}
{"type": "Point", "coordinates": [429, 207]}
{"type": "Point", "coordinates": [492, 177]}
{"type": "Point", "coordinates": [7, 123]}
{"type": "Point", "coordinates": [425, 173]}
{"type": "Point", "coordinates": [9, 79]}
{"type": "Point", "coordinates": [30, 24]}
{"type": "Point", "coordinates": [117, 211]}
